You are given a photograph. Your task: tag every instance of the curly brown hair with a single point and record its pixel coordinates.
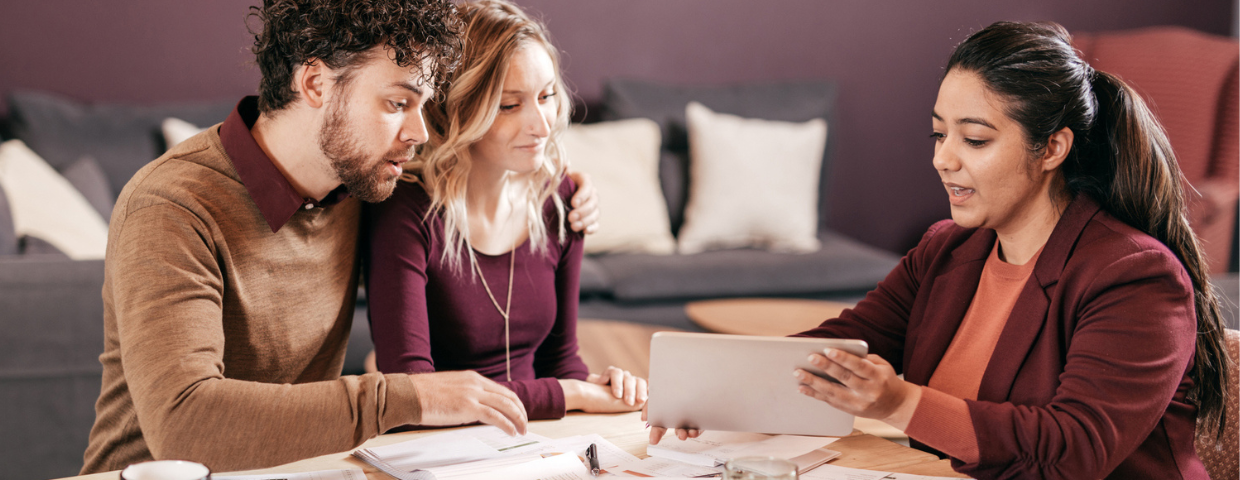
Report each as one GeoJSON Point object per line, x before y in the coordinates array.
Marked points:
{"type": "Point", "coordinates": [339, 33]}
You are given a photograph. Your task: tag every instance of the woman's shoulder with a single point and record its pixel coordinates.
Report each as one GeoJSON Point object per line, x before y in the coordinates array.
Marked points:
{"type": "Point", "coordinates": [1107, 240]}
{"type": "Point", "coordinates": [565, 192]}
{"type": "Point", "coordinates": [409, 194]}
{"type": "Point", "coordinates": [408, 201]}
{"type": "Point", "coordinates": [567, 189]}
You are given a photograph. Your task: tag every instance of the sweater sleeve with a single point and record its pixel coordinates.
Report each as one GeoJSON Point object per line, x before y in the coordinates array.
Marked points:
{"type": "Point", "coordinates": [942, 422]}
{"type": "Point", "coordinates": [167, 290]}
{"type": "Point", "coordinates": [396, 258]}
{"type": "Point", "coordinates": [881, 318]}
{"type": "Point", "coordinates": [1132, 344]}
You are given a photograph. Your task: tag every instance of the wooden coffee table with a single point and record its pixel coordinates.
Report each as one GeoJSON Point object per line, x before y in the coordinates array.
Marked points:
{"type": "Point", "coordinates": [762, 316]}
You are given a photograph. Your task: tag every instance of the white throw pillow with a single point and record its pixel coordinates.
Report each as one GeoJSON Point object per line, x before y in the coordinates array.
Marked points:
{"type": "Point", "coordinates": [752, 183]}
{"type": "Point", "coordinates": [46, 206]}
{"type": "Point", "coordinates": [176, 131]}
{"type": "Point", "coordinates": [622, 158]}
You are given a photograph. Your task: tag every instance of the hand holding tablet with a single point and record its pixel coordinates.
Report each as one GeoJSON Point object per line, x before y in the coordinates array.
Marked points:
{"type": "Point", "coordinates": [741, 383]}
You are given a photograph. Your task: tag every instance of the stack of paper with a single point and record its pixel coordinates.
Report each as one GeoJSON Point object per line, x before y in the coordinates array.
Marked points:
{"type": "Point", "coordinates": [488, 452]}
{"type": "Point", "coordinates": [714, 448]}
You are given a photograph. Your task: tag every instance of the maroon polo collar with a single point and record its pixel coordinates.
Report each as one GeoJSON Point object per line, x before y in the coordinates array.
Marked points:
{"type": "Point", "coordinates": [272, 193]}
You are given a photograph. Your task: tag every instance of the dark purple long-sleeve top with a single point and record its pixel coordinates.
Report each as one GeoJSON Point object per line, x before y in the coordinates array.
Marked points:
{"type": "Point", "coordinates": [424, 316]}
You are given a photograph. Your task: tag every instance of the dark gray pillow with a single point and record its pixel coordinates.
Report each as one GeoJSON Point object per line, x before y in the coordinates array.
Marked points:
{"type": "Point", "coordinates": [122, 138]}
{"type": "Point", "coordinates": [674, 180]}
{"type": "Point", "coordinates": [88, 178]}
{"type": "Point", "coordinates": [665, 104]}
{"type": "Point", "coordinates": [38, 246]}
{"type": "Point", "coordinates": [8, 235]}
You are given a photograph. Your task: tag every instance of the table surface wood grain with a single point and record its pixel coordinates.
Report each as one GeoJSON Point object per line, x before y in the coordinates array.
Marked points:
{"type": "Point", "coordinates": [628, 432]}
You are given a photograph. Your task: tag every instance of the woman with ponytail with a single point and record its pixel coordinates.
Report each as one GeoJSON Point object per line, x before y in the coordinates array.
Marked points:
{"type": "Point", "coordinates": [1061, 325]}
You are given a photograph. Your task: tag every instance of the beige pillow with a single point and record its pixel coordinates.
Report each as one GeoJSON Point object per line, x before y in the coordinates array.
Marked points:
{"type": "Point", "coordinates": [622, 159]}
{"type": "Point", "coordinates": [752, 183]}
{"type": "Point", "coordinates": [46, 206]}
{"type": "Point", "coordinates": [176, 131]}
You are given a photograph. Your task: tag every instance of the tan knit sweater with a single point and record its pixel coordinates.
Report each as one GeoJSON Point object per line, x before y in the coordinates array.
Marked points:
{"type": "Point", "coordinates": [224, 341]}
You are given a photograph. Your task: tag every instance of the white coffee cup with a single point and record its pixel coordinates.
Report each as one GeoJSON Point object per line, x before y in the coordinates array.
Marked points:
{"type": "Point", "coordinates": [166, 470]}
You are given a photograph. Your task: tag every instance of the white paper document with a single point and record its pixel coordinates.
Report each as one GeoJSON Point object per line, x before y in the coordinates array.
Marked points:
{"type": "Point", "coordinates": [565, 466]}
{"type": "Point", "coordinates": [487, 452]}
{"type": "Point", "coordinates": [663, 467]}
{"type": "Point", "coordinates": [714, 448]}
{"type": "Point", "coordinates": [454, 447]}
{"type": "Point", "coordinates": [349, 474]}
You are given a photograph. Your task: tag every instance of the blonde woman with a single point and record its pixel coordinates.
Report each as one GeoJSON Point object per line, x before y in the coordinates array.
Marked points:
{"type": "Point", "coordinates": [471, 264]}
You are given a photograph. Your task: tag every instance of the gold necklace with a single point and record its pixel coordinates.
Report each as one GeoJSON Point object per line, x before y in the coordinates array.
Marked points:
{"type": "Point", "coordinates": [503, 312]}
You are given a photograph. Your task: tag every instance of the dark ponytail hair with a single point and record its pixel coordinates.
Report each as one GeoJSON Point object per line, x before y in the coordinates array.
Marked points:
{"type": "Point", "coordinates": [1120, 156]}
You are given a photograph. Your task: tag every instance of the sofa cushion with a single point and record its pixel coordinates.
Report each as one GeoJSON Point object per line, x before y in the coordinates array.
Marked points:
{"type": "Point", "coordinates": [622, 158]}
{"type": "Point", "coordinates": [593, 279]}
{"type": "Point", "coordinates": [122, 138]}
{"type": "Point", "coordinates": [753, 183]}
{"type": "Point", "coordinates": [8, 236]}
{"type": "Point", "coordinates": [674, 178]}
{"type": "Point", "coordinates": [794, 101]}
{"type": "Point", "coordinates": [46, 206]}
{"type": "Point", "coordinates": [665, 103]}
{"type": "Point", "coordinates": [841, 265]}
{"type": "Point", "coordinates": [89, 179]}
{"type": "Point", "coordinates": [176, 131]}
{"type": "Point", "coordinates": [49, 363]}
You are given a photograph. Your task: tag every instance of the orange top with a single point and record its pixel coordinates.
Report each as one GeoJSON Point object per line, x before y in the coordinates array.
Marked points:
{"type": "Point", "coordinates": [942, 418]}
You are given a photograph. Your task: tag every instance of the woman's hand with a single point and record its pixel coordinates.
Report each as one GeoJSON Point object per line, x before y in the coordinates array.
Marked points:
{"type": "Point", "coordinates": [868, 387]}
{"type": "Point", "coordinates": [656, 433]}
{"type": "Point", "coordinates": [616, 390]}
{"type": "Point", "coordinates": [583, 216]}
{"type": "Point", "coordinates": [624, 385]}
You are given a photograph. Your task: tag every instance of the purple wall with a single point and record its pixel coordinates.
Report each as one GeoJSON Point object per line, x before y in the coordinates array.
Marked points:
{"type": "Point", "coordinates": [886, 54]}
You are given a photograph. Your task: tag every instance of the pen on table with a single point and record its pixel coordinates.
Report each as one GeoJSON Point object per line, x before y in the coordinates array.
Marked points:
{"type": "Point", "coordinates": [592, 456]}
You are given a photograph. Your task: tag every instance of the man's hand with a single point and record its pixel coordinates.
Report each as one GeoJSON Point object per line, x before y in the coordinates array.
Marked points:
{"type": "Point", "coordinates": [458, 398]}
{"type": "Point", "coordinates": [584, 214]}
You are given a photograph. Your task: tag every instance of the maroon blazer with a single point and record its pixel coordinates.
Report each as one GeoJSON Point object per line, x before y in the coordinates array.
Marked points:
{"type": "Point", "coordinates": [1089, 377]}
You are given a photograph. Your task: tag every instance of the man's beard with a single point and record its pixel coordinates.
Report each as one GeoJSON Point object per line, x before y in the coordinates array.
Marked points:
{"type": "Point", "coordinates": [366, 178]}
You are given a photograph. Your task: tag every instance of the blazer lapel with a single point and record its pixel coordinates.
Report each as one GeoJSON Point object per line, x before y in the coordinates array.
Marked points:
{"type": "Point", "coordinates": [950, 295]}
{"type": "Point", "coordinates": [1029, 315]}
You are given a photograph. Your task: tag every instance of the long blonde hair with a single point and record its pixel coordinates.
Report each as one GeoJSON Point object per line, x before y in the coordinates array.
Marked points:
{"type": "Point", "coordinates": [463, 114]}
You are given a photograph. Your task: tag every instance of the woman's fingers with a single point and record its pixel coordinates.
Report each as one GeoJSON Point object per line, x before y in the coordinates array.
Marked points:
{"type": "Point", "coordinates": [630, 388]}
{"type": "Point", "coordinates": [821, 389]}
{"type": "Point", "coordinates": [643, 391]}
{"type": "Point", "coordinates": [835, 370]}
{"type": "Point", "coordinates": [656, 434]}
{"type": "Point", "coordinates": [616, 379]}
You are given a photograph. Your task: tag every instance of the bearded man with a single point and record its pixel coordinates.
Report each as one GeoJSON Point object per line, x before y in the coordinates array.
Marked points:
{"type": "Point", "coordinates": [232, 270]}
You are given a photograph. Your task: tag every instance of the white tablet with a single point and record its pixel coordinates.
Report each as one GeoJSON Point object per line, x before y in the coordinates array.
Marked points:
{"type": "Point", "coordinates": [740, 383]}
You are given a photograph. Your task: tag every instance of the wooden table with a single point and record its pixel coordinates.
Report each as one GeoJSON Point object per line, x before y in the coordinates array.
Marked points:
{"type": "Point", "coordinates": [762, 316]}
{"type": "Point", "coordinates": [628, 432]}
